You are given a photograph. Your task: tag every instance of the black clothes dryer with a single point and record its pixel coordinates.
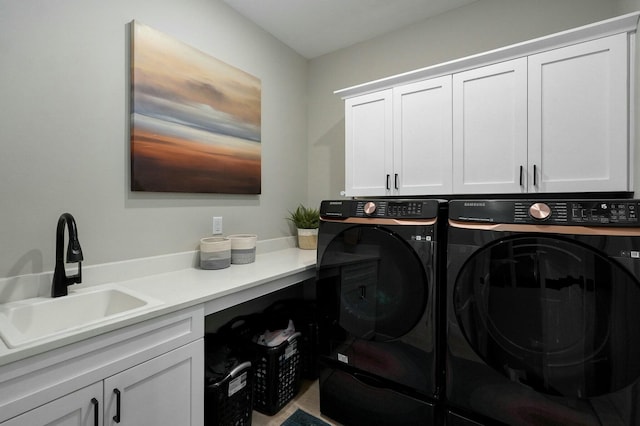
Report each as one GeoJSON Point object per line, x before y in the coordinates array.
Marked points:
{"type": "Point", "coordinates": [543, 312]}
{"type": "Point", "coordinates": [378, 269]}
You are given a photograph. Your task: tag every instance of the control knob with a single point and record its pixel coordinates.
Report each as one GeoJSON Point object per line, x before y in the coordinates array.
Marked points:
{"type": "Point", "coordinates": [369, 208]}
{"type": "Point", "coordinates": [540, 211]}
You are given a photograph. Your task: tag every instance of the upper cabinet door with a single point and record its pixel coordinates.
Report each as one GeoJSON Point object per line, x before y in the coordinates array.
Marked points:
{"type": "Point", "coordinates": [490, 129]}
{"type": "Point", "coordinates": [422, 137]}
{"type": "Point", "coordinates": [578, 117]}
{"type": "Point", "coordinates": [368, 144]}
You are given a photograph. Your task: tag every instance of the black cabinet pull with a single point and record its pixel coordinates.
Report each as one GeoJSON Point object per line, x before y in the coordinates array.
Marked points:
{"type": "Point", "coordinates": [520, 175]}
{"type": "Point", "coordinates": [116, 418]}
{"type": "Point", "coordinates": [363, 292]}
{"type": "Point", "coordinates": [96, 409]}
{"type": "Point", "coordinates": [535, 173]}
{"type": "Point", "coordinates": [396, 181]}
{"type": "Point", "coordinates": [388, 187]}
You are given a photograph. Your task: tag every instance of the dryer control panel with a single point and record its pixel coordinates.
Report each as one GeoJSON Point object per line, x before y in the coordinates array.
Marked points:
{"type": "Point", "coordinates": [380, 208]}
{"type": "Point", "coordinates": [620, 212]}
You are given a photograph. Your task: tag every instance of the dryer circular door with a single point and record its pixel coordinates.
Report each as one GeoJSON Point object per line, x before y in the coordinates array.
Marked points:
{"type": "Point", "coordinates": [382, 285]}
{"type": "Point", "coordinates": [551, 313]}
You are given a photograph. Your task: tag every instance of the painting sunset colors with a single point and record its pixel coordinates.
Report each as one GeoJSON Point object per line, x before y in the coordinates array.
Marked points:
{"type": "Point", "coordinates": [195, 121]}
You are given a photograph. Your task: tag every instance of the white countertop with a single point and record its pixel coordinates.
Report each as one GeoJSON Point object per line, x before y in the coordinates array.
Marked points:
{"type": "Point", "coordinates": [179, 286]}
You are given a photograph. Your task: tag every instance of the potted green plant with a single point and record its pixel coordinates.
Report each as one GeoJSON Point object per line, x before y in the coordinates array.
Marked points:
{"type": "Point", "coordinates": [307, 221]}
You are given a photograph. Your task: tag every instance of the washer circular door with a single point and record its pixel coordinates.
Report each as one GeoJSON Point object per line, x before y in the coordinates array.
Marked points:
{"type": "Point", "coordinates": [383, 285]}
{"type": "Point", "coordinates": [551, 313]}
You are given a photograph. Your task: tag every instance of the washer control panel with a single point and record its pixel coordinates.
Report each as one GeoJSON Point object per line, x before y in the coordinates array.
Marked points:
{"type": "Point", "coordinates": [604, 212]}
{"type": "Point", "coordinates": [535, 212]}
{"type": "Point", "coordinates": [621, 212]}
{"type": "Point", "coordinates": [380, 208]}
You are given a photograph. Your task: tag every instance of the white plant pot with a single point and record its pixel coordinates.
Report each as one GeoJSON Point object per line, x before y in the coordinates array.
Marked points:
{"type": "Point", "coordinates": [308, 238]}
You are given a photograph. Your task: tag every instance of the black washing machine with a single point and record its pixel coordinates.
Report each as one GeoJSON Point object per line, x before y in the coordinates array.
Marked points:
{"type": "Point", "coordinates": [543, 312]}
{"type": "Point", "coordinates": [378, 269]}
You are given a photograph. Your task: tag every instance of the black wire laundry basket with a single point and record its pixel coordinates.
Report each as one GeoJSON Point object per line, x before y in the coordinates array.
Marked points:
{"type": "Point", "coordinates": [228, 385]}
{"type": "Point", "coordinates": [277, 369]}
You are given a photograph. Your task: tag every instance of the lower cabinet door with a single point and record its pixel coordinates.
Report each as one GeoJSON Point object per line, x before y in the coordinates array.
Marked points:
{"type": "Point", "coordinates": [166, 390]}
{"type": "Point", "coordinates": [80, 408]}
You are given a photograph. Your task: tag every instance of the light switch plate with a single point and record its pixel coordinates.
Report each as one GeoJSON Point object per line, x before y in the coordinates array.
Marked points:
{"type": "Point", "coordinates": [217, 225]}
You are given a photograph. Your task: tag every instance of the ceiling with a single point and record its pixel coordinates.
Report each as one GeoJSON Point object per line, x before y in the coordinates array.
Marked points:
{"type": "Point", "coordinates": [316, 27]}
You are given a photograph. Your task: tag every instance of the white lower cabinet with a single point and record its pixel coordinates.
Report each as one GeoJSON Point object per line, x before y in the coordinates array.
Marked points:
{"type": "Point", "coordinates": [166, 390]}
{"type": "Point", "coordinates": [150, 373]}
{"type": "Point", "coordinates": [80, 408]}
{"type": "Point", "coordinates": [161, 391]}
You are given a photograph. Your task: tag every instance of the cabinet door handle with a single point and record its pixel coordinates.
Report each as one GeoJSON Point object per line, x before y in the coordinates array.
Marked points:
{"type": "Point", "coordinates": [520, 175]}
{"type": "Point", "coordinates": [96, 410]}
{"type": "Point", "coordinates": [116, 418]}
{"type": "Point", "coordinates": [395, 181]}
{"type": "Point", "coordinates": [388, 187]}
{"type": "Point", "coordinates": [535, 173]}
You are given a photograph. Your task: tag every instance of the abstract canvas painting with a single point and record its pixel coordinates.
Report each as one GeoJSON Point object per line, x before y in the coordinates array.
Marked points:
{"type": "Point", "coordinates": [195, 120]}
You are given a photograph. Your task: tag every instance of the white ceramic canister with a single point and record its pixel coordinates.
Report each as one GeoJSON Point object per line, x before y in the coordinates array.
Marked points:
{"type": "Point", "coordinates": [243, 248]}
{"type": "Point", "coordinates": [215, 253]}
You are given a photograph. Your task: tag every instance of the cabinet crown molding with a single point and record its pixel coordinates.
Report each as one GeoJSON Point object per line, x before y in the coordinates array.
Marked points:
{"type": "Point", "coordinates": [626, 23]}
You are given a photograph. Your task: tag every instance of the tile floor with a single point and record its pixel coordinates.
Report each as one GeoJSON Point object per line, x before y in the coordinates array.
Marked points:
{"type": "Point", "coordinates": [308, 399]}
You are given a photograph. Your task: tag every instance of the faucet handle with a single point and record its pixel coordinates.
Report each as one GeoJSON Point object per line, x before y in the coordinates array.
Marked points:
{"type": "Point", "coordinates": [74, 251]}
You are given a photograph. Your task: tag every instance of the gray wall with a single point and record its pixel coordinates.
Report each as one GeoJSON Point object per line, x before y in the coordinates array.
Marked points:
{"type": "Point", "coordinates": [478, 27]}
{"type": "Point", "coordinates": [64, 130]}
{"type": "Point", "coordinates": [64, 123]}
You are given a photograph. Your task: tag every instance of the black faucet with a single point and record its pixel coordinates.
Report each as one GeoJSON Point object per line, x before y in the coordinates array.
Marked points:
{"type": "Point", "coordinates": [74, 255]}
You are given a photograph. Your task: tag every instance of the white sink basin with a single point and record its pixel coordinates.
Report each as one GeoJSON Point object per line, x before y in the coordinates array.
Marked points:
{"type": "Point", "coordinates": [31, 320]}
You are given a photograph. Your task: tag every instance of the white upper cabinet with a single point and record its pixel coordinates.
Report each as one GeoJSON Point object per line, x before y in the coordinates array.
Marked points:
{"type": "Point", "coordinates": [490, 129]}
{"type": "Point", "coordinates": [398, 141]}
{"type": "Point", "coordinates": [551, 122]}
{"type": "Point", "coordinates": [550, 115]}
{"type": "Point", "coordinates": [578, 117]}
{"type": "Point", "coordinates": [368, 144]}
{"type": "Point", "coordinates": [422, 137]}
